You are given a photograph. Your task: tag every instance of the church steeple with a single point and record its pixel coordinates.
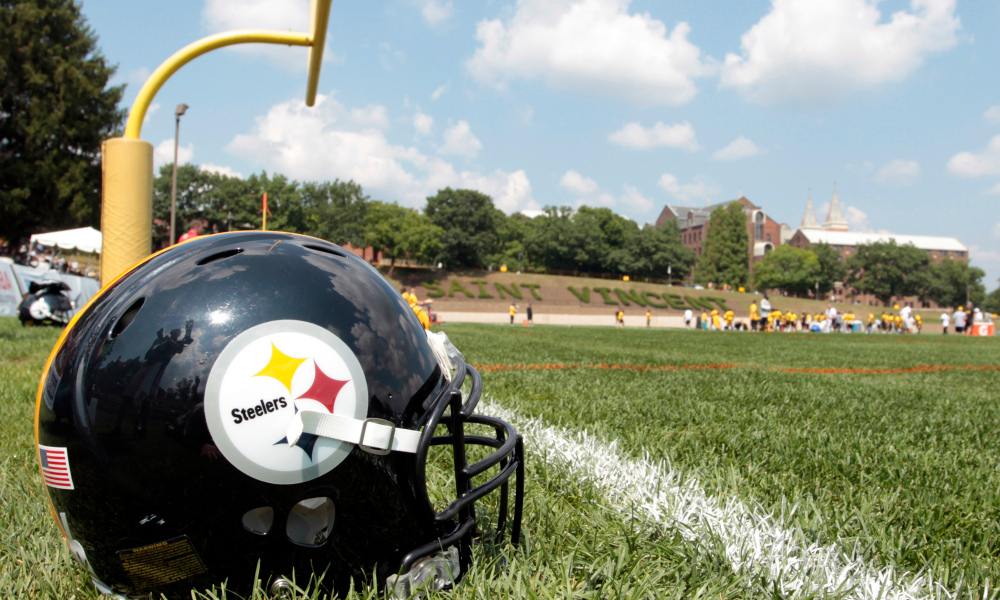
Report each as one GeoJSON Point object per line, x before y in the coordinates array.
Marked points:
{"type": "Point", "coordinates": [834, 219]}
{"type": "Point", "coordinates": [809, 219]}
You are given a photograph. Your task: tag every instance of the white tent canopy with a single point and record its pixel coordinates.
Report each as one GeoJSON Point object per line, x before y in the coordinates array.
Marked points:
{"type": "Point", "coordinates": [84, 239]}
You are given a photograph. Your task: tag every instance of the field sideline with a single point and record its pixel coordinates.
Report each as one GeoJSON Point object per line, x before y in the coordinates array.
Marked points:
{"type": "Point", "coordinates": [875, 457]}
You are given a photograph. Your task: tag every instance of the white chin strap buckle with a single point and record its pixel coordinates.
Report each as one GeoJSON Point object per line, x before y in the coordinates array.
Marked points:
{"type": "Point", "coordinates": [375, 436]}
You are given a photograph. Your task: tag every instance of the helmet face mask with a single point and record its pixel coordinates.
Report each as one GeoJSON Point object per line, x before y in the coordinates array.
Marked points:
{"type": "Point", "coordinates": [261, 397]}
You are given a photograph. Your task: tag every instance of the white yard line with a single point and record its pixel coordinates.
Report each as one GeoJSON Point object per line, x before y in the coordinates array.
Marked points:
{"type": "Point", "coordinates": [753, 541]}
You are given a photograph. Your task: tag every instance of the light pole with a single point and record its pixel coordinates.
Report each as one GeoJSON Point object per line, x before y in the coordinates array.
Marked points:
{"type": "Point", "coordinates": [181, 109]}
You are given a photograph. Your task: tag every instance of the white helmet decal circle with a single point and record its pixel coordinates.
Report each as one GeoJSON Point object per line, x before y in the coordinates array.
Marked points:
{"type": "Point", "coordinates": [263, 377]}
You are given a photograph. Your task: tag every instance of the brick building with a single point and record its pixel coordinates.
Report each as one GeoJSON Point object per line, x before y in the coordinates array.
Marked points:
{"type": "Point", "coordinates": [765, 233]}
{"type": "Point", "coordinates": [834, 232]}
{"type": "Point", "coordinates": [846, 243]}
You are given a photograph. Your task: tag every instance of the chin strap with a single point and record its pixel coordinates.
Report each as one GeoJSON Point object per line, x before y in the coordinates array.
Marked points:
{"type": "Point", "coordinates": [375, 436]}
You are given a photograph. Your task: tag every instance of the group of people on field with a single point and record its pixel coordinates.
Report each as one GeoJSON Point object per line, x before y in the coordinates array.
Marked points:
{"type": "Point", "coordinates": [965, 322]}
{"type": "Point", "coordinates": [764, 317]}
{"type": "Point", "coordinates": [529, 320]}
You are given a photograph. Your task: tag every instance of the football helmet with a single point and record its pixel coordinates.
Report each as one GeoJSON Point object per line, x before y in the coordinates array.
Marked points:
{"type": "Point", "coordinates": [261, 404]}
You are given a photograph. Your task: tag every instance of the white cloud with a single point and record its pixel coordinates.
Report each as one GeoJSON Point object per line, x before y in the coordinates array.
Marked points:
{"type": "Point", "coordinates": [227, 171]}
{"type": "Point", "coordinates": [460, 140]}
{"type": "Point", "coordinates": [812, 52]}
{"type": "Point", "coordinates": [993, 191]}
{"type": "Point", "coordinates": [433, 11]}
{"type": "Point", "coordinates": [968, 164]}
{"type": "Point", "coordinates": [575, 182]}
{"type": "Point", "coordinates": [590, 45]}
{"type": "Point", "coordinates": [370, 116]}
{"type": "Point", "coordinates": [323, 142]}
{"type": "Point", "coordinates": [163, 154]}
{"type": "Point", "coordinates": [898, 172]}
{"type": "Point", "coordinates": [590, 193]}
{"type": "Point", "coordinates": [697, 193]}
{"type": "Point", "coordinates": [636, 136]}
{"type": "Point", "coordinates": [980, 255]}
{"type": "Point", "coordinates": [279, 15]}
{"type": "Point", "coordinates": [149, 112]}
{"type": "Point", "coordinates": [996, 231]}
{"type": "Point", "coordinates": [739, 148]}
{"type": "Point", "coordinates": [992, 114]}
{"type": "Point", "coordinates": [634, 201]}
{"type": "Point", "coordinates": [423, 123]}
{"type": "Point", "coordinates": [440, 91]}
{"type": "Point", "coordinates": [857, 219]}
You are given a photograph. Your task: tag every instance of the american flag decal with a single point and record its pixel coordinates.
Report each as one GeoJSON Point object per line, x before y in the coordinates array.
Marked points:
{"type": "Point", "coordinates": [55, 467]}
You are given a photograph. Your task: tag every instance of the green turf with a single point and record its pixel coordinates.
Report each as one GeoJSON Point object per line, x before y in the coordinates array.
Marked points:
{"type": "Point", "coordinates": [903, 467]}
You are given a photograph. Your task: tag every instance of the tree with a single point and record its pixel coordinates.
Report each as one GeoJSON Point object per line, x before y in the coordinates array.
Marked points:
{"type": "Point", "coordinates": [726, 250]}
{"type": "Point", "coordinates": [557, 240]}
{"type": "Point", "coordinates": [399, 232]}
{"type": "Point", "coordinates": [229, 203]}
{"type": "Point", "coordinates": [55, 109]}
{"type": "Point", "coordinates": [831, 267]}
{"type": "Point", "coordinates": [887, 270]}
{"type": "Point", "coordinates": [336, 211]}
{"type": "Point", "coordinates": [511, 235]}
{"type": "Point", "coordinates": [607, 238]}
{"type": "Point", "coordinates": [469, 221]}
{"type": "Point", "coordinates": [951, 282]}
{"type": "Point", "coordinates": [992, 302]}
{"type": "Point", "coordinates": [787, 268]}
{"type": "Point", "coordinates": [654, 250]}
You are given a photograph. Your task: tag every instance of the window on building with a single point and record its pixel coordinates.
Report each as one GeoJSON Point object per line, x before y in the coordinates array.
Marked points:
{"type": "Point", "coordinates": [769, 237]}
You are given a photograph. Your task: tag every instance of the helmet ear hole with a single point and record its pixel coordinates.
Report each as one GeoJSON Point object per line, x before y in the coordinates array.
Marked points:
{"type": "Point", "coordinates": [310, 522]}
{"type": "Point", "coordinates": [259, 520]}
{"type": "Point", "coordinates": [126, 319]}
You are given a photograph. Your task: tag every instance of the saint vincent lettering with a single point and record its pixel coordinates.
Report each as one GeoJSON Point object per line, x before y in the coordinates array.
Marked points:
{"type": "Point", "coordinates": [263, 408]}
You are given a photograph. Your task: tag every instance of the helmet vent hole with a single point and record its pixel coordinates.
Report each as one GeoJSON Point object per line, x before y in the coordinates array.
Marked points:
{"type": "Point", "coordinates": [259, 520]}
{"type": "Point", "coordinates": [325, 249]}
{"type": "Point", "coordinates": [219, 256]}
{"type": "Point", "coordinates": [310, 522]}
{"type": "Point", "coordinates": [126, 319]}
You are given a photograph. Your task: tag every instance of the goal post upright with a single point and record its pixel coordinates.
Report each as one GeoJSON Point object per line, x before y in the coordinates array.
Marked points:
{"type": "Point", "coordinates": [127, 162]}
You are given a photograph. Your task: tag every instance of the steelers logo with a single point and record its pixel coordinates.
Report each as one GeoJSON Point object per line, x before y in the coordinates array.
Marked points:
{"type": "Point", "coordinates": [262, 379]}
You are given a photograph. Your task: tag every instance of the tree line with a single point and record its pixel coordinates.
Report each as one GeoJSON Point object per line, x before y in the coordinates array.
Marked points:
{"type": "Point", "coordinates": [885, 270]}
{"type": "Point", "coordinates": [457, 228]}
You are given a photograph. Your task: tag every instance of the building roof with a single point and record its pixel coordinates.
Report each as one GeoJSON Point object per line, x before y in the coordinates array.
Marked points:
{"type": "Point", "coordinates": [699, 214]}
{"type": "Point", "coordinates": [849, 238]}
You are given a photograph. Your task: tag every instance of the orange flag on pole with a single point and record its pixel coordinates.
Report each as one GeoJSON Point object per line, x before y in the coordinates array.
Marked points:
{"type": "Point", "coordinates": [264, 226]}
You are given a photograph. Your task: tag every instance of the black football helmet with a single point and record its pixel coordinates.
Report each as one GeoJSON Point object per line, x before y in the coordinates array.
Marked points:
{"type": "Point", "coordinates": [263, 398]}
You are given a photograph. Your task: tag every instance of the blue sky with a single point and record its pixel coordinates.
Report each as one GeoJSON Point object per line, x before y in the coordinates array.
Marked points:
{"type": "Point", "coordinates": [630, 105]}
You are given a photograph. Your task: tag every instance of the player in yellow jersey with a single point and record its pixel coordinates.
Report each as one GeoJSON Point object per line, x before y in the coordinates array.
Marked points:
{"type": "Point", "coordinates": [754, 316]}
{"type": "Point", "coordinates": [729, 318]}
{"type": "Point", "coordinates": [513, 311]}
{"type": "Point", "coordinates": [425, 320]}
{"type": "Point", "coordinates": [716, 322]}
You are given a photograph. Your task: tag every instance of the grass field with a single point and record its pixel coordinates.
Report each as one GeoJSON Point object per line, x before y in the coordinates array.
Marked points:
{"type": "Point", "coordinates": [880, 451]}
